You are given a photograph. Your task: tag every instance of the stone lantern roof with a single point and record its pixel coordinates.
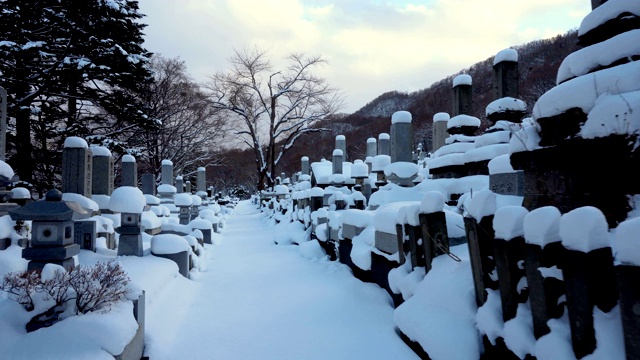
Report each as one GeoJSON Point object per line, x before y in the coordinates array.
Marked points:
{"type": "Point", "coordinates": [51, 209]}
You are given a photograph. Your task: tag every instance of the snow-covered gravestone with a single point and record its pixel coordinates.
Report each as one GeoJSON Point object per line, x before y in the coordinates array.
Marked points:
{"type": "Point", "coordinates": [129, 171]}
{"type": "Point", "coordinates": [205, 227]}
{"type": "Point", "coordinates": [52, 239]}
{"type": "Point", "coordinates": [627, 254]}
{"type": "Point", "coordinates": [77, 164]}
{"type": "Point", "coordinates": [506, 74]}
{"type": "Point", "coordinates": [480, 236]}
{"type": "Point", "coordinates": [384, 144]}
{"type": "Point", "coordinates": [508, 224]}
{"type": "Point", "coordinates": [401, 137]}
{"type": "Point", "coordinates": [336, 162]}
{"type": "Point", "coordinates": [172, 247]}
{"type": "Point", "coordinates": [304, 165]}
{"type": "Point", "coordinates": [148, 184]}
{"type": "Point", "coordinates": [341, 143]}
{"type": "Point", "coordinates": [372, 147]}
{"type": "Point", "coordinates": [542, 257]}
{"type": "Point", "coordinates": [183, 202]}
{"type": "Point", "coordinates": [196, 202]}
{"type": "Point", "coordinates": [102, 175]}
{"type": "Point", "coordinates": [462, 99]}
{"type": "Point", "coordinates": [588, 273]}
{"type": "Point", "coordinates": [187, 187]}
{"type": "Point", "coordinates": [433, 226]}
{"type": "Point", "coordinates": [167, 172]}
{"type": "Point", "coordinates": [179, 185]}
{"type": "Point", "coordinates": [130, 203]}
{"type": "Point", "coordinates": [201, 184]}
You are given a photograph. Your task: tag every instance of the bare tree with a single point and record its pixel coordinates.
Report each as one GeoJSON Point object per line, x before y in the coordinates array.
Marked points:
{"type": "Point", "coordinates": [273, 108]}
{"type": "Point", "coordinates": [190, 131]}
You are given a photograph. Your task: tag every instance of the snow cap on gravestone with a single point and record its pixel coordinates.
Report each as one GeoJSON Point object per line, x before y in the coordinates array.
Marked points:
{"type": "Point", "coordinates": [127, 199]}
{"type": "Point", "coordinates": [542, 226]}
{"type": "Point", "coordinates": [75, 142]}
{"type": "Point", "coordinates": [401, 117]}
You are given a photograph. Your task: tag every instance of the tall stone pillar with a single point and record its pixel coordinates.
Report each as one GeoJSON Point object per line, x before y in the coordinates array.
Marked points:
{"type": "Point", "coordinates": [148, 184]}
{"type": "Point", "coordinates": [372, 147]}
{"type": "Point", "coordinates": [201, 183]}
{"type": "Point", "coordinates": [129, 171]}
{"type": "Point", "coordinates": [337, 160]}
{"type": "Point", "coordinates": [341, 143]}
{"type": "Point", "coordinates": [440, 133]}
{"type": "Point", "coordinates": [462, 99]}
{"type": "Point", "coordinates": [102, 175]}
{"type": "Point", "coordinates": [179, 185]}
{"type": "Point", "coordinates": [187, 186]}
{"type": "Point", "coordinates": [77, 165]}
{"type": "Point", "coordinates": [401, 137]}
{"type": "Point", "coordinates": [384, 144]}
{"type": "Point", "coordinates": [505, 74]}
{"type": "Point", "coordinates": [167, 172]}
{"type": "Point", "coordinates": [305, 165]}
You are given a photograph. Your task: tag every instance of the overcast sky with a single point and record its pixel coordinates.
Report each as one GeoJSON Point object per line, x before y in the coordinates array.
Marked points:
{"type": "Point", "coordinates": [372, 46]}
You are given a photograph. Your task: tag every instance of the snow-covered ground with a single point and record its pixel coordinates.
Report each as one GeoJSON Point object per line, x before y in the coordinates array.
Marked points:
{"type": "Point", "coordinates": [259, 300]}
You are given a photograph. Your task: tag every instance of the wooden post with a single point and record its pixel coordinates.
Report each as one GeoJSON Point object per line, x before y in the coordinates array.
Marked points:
{"type": "Point", "coordinates": [480, 237]}
{"type": "Point", "coordinates": [588, 272]}
{"type": "Point", "coordinates": [433, 227]}
{"type": "Point", "coordinates": [508, 244]}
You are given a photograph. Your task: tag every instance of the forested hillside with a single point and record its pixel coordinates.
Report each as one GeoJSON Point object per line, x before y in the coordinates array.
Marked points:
{"type": "Point", "coordinates": [538, 64]}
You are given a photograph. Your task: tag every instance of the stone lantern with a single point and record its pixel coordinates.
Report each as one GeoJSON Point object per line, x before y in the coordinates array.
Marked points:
{"type": "Point", "coordinates": [52, 238]}
{"type": "Point", "coordinates": [183, 202]}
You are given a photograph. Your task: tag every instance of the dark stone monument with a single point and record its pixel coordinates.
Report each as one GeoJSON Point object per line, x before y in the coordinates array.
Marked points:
{"type": "Point", "coordinates": [129, 171]}
{"type": "Point", "coordinates": [77, 164]}
{"type": "Point", "coordinates": [102, 176]}
{"type": "Point", "coordinates": [52, 239]}
{"type": "Point", "coordinates": [148, 184]}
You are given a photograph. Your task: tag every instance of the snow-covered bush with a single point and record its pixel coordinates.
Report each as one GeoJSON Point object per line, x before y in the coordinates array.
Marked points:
{"type": "Point", "coordinates": [86, 288]}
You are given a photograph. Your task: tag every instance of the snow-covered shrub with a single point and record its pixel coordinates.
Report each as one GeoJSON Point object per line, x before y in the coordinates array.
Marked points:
{"type": "Point", "coordinates": [88, 288]}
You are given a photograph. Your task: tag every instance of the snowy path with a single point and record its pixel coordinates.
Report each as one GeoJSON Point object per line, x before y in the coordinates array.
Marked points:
{"type": "Point", "coordinates": [258, 300]}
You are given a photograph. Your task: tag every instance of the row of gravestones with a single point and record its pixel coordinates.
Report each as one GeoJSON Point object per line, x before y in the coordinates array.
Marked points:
{"type": "Point", "coordinates": [562, 176]}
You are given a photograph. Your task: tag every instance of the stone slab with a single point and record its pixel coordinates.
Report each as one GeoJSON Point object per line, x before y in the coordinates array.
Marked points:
{"type": "Point", "coordinates": [181, 259]}
{"type": "Point", "coordinates": [385, 242]}
{"type": "Point", "coordinates": [51, 253]}
{"type": "Point", "coordinates": [130, 245]}
{"type": "Point", "coordinates": [84, 234]}
{"type": "Point", "coordinates": [350, 231]}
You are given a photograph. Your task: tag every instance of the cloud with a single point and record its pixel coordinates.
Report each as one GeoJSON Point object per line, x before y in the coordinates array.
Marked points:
{"type": "Point", "coordinates": [372, 46]}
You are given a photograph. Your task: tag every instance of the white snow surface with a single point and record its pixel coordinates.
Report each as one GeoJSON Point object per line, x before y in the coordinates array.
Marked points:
{"type": "Point", "coordinates": [500, 164]}
{"type": "Point", "coordinates": [463, 120]}
{"type": "Point", "coordinates": [626, 247]}
{"type": "Point", "coordinates": [598, 55]}
{"type": "Point", "coordinates": [166, 162]}
{"type": "Point", "coordinates": [384, 136]}
{"type": "Point", "coordinates": [100, 151]}
{"type": "Point", "coordinates": [441, 116]}
{"type": "Point", "coordinates": [432, 201]}
{"type": "Point", "coordinates": [127, 199]}
{"type": "Point", "coordinates": [359, 170]}
{"type": "Point", "coordinates": [487, 152]}
{"type": "Point", "coordinates": [20, 193]}
{"type": "Point", "coordinates": [128, 158]}
{"type": "Point", "coordinates": [401, 117]}
{"type": "Point", "coordinates": [482, 204]}
{"type": "Point", "coordinates": [607, 11]}
{"type": "Point", "coordinates": [584, 229]}
{"type": "Point", "coordinates": [166, 188]}
{"type": "Point", "coordinates": [456, 147]}
{"type": "Point", "coordinates": [385, 218]}
{"type": "Point", "coordinates": [582, 92]}
{"type": "Point", "coordinates": [403, 169]}
{"type": "Point", "coordinates": [75, 143]}
{"type": "Point", "coordinates": [443, 321]}
{"type": "Point", "coordinates": [371, 140]}
{"type": "Point", "coordinates": [462, 79]}
{"type": "Point", "coordinates": [508, 222]}
{"type": "Point", "coordinates": [380, 162]}
{"type": "Point", "coordinates": [340, 137]}
{"type": "Point", "coordinates": [338, 152]}
{"type": "Point", "coordinates": [183, 199]}
{"type": "Point", "coordinates": [613, 114]}
{"type": "Point", "coordinates": [6, 170]}
{"type": "Point", "coordinates": [506, 55]}
{"type": "Point", "coordinates": [492, 138]}
{"type": "Point", "coordinates": [504, 104]}
{"type": "Point", "coordinates": [542, 226]}
{"type": "Point", "coordinates": [83, 201]}
{"type": "Point", "coordinates": [526, 139]}
{"type": "Point", "coordinates": [169, 244]}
